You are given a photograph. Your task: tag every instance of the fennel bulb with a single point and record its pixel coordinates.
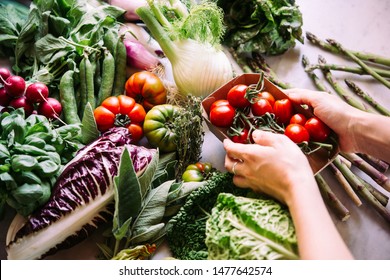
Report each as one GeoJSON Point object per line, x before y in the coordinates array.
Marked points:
{"type": "Point", "coordinates": [190, 38]}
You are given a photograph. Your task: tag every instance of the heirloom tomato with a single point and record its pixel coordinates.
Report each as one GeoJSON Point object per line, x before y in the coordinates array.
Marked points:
{"type": "Point", "coordinates": [159, 127]}
{"type": "Point", "coordinates": [297, 133]}
{"type": "Point", "coordinates": [283, 110]}
{"type": "Point", "coordinates": [197, 172]}
{"type": "Point", "coordinates": [147, 89]}
{"type": "Point", "coordinates": [221, 113]}
{"type": "Point", "coordinates": [122, 111]}
{"type": "Point", "coordinates": [236, 96]}
{"type": "Point", "coordinates": [317, 129]}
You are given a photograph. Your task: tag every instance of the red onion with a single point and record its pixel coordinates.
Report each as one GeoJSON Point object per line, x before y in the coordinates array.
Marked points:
{"type": "Point", "coordinates": [139, 57]}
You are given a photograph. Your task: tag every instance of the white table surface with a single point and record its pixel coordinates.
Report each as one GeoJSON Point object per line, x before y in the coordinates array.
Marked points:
{"type": "Point", "coordinates": [359, 25]}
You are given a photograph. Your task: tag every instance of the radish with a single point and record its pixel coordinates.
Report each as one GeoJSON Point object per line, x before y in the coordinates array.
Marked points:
{"type": "Point", "coordinates": [37, 92]}
{"type": "Point", "coordinates": [22, 102]}
{"type": "Point", "coordinates": [4, 74]}
{"type": "Point", "coordinates": [15, 86]}
{"type": "Point", "coordinates": [51, 108]}
{"type": "Point", "coordinates": [4, 98]}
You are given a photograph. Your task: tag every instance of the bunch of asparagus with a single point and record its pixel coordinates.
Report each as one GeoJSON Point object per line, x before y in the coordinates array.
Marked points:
{"type": "Point", "coordinates": [352, 182]}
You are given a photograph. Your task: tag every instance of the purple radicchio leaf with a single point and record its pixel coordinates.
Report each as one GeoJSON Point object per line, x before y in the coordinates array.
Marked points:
{"type": "Point", "coordinates": [82, 197]}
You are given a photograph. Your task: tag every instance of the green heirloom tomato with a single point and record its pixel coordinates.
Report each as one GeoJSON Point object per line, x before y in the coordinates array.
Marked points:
{"type": "Point", "coordinates": [192, 175]}
{"type": "Point", "coordinates": [159, 128]}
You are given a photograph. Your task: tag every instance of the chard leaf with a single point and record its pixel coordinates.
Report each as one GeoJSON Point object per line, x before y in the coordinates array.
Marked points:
{"type": "Point", "coordinates": [127, 195]}
{"type": "Point", "coordinates": [89, 131]}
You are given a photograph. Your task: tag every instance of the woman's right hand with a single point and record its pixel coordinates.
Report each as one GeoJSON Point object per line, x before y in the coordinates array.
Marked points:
{"type": "Point", "coordinates": [333, 111]}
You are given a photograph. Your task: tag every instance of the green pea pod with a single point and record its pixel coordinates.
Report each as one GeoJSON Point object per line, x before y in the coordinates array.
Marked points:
{"type": "Point", "coordinates": [108, 76]}
{"type": "Point", "coordinates": [67, 98]}
{"type": "Point", "coordinates": [90, 84]}
{"type": "Point", "coordinates": [120, 68]}
{"type": "Point", "coordinates": [110, 38]}
{"type": "Point", "coordinates": [83, 88]}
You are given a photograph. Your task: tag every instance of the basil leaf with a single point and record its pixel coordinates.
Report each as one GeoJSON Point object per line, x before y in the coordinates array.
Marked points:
{"type": "Point", "coordinates": [27, 193]}
{"type": "Point", "coordinates": [23, 162]}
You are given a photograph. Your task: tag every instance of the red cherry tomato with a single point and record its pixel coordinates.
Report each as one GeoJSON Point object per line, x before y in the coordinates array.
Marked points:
{"type": "Point", "coordinates": [283, 110]}
{"type": "Point", "coordinates": [317, 129]}
{"type": "Point", "coordinates": [242, 137]}
{"type": "Point", "coordinates": [297, 133]}
{"type": "Point", "coordinates": [260, 107]}
{"type": "Point", "coordinates": [222, 115]}
{"type": "Point", "coordinates": [268, 96]}
{"type": "Point", "coordinates": [236, 96]}
{"type": "Point", "coordinates": [219, 102]}
{"type": "Point", "coordinates": [298, 118]}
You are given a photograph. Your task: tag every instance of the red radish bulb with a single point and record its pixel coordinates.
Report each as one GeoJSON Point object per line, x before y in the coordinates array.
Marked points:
{"type": "Point", "coordinates": [51, 108]}
{"type": "Point", "coordinates": [37, 92]}
{"type": "Point", "coordinates": [4, 98]}
{"type": "Point", "coordinates": [15, 86]}
{"type": "Point", "coordinates": [22, 102]}
{"type": "Point", "coordinates": [4, 74]}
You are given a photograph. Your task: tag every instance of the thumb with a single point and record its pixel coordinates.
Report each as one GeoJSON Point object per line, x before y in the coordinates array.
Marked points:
{"type": "Point", "coordinates": [264, 138]}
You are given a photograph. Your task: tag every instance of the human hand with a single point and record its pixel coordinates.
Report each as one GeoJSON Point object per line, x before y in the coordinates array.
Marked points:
{"type": "Point", "coordinates": [273, 165]}
{"type": "Point", "coordinates": [334, 112]}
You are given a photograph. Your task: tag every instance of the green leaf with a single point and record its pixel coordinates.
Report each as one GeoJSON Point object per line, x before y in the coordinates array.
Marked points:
{"type": "Point", "coordinates": [47, 46]}
{"type": "Point", "coordinates": [4, 153]}
{"type": "Point", "coordinates": [8, 180]}
{"type": "Point", "coordinates": [152, 212]}
{"type": "Point", "coordinates": [127, 195]}
{"type": "Point", "coordinates": [47, 168]}
{"type": "Point", "coordinates": [23, 162]}
{"type": "Point", "coordinates": [147, 176]}
{"type": "Point", "coordinates": [27, 193]}
{"type": "Point", "coordinates": [89, 130]}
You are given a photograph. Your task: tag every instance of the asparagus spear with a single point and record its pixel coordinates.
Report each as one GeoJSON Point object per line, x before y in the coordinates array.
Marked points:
{"type": "Point", "coordinates": [360, 62]}
{"type": "Point", "coordinates": [331, 199]}
{"type": "Point", "coordinates": [339, 90]}
{"type": "Point", "coordinates": [317, 81]}
{"type": "Point", "coordinates": [354, 70]}
{"type": "Point", "coordinates": [361, 189]}
{"type": "Point", "coordinates": [380, 165]}
{"type": "Point", "coordinates": [362, 55]}
{"type": "Point", "coordinates": [382, 198]}
{"type": "Point", "coordinates": [364, 166]}
{"type": "Point", "coordinates": [356, 89]}
{"type": "Point", "coordinates": [346, 185]}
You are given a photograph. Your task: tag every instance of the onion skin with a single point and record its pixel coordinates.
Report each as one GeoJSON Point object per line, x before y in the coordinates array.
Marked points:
{"type": "Point", "coordinates": [139, 57]}
{"type": "Point", "coordinates": [129, 6]}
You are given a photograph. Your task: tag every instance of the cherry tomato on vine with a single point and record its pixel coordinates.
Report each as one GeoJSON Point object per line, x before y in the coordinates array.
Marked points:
{"type": "Point", "coordinates": [260, 107]}
{"type": "Point", "coordinates": [299, 119]}
{"type": "Point", "coordinates": [283, 110]}
{"type": "Point", "coordinates": [146, 88]}
{"type": "Point", "coordinates": [236, 96]}
{"type": "Point", "coordinates": [219, 102]}
{"type": "Point", "coordinates": [221, 114]}
{"type": "Point", "coordinates": [192, 175]}
{"type": "Point", "coordinates": [317, 129]}
{"type": "Point", "coordinates": [267, 95]}
{"type": "Point", "coordinates": [297, 133]}
{"type": "Point", "coordinates": [242, 137]}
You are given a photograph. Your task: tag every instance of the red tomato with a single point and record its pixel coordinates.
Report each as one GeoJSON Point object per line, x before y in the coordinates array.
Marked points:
{"type": "Point", "coordinates": [219, 102]}
{"type": "Point", "coordinates": [260, 107]}
{"type": "Point", "coordinates": [317, 129]}
{"type": "Point", "coordinates": [297, 133]}
{"type": "Point", "coordinates": [283, 110]}
{"type": "Point", "coordinates": [268, 96]}
{"type": "Point", "coordinates": [222, 115]}
{"type": "Point", "coordinates": [123, 111]}
{"type": "Point", "coordinates": [242, 137]}
{"type": "Point", "coordinates": [298, 118]}
{"type": "Point", "coordinates": [236, 96]}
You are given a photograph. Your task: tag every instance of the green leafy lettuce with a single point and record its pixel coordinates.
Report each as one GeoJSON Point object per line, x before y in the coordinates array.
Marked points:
{"type": "Point", "coordinates": [268, 27]}
{"type": "Point", "coordinates": [244, 228]}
